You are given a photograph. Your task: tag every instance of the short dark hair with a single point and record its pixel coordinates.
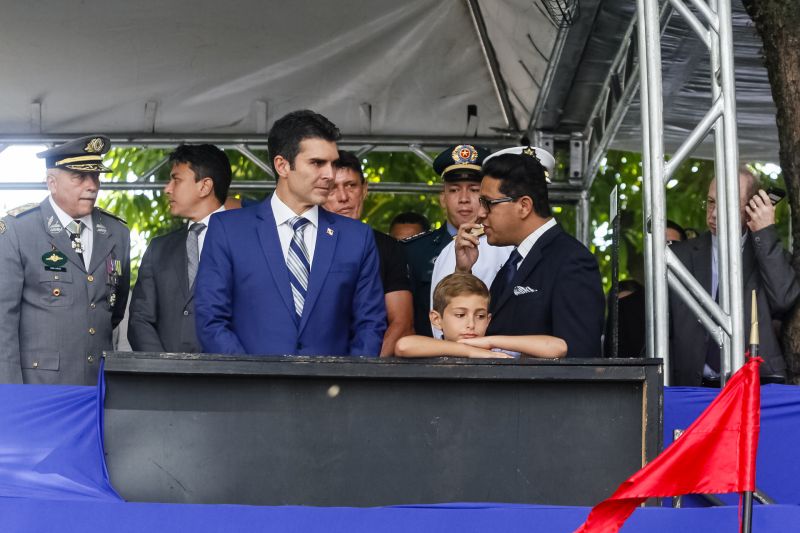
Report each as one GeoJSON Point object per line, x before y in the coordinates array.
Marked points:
{"type": "Point", "coordinates": [350, 161]}
{"type": "Point", "coordinates": [520, 175]}
{"type": "Point", "coordinates": [290, 130]}
{"type": "Point", "coordinates": [457, 284]}
{"type": "Point", "coordinates": [409, 217]}
{"type": "Point", "coordinates": [206, 161]}
{"type": "Point", "coordinates": [677, 227]}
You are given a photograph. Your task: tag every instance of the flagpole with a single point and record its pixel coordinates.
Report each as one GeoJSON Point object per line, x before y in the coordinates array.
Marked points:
{"type": "Point", "coordinates": [747, 512]}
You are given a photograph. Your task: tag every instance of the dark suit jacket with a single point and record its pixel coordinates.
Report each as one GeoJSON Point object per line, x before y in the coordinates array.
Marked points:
{"type": "Point", "coordinates": [556, 291]}
{"type": "Point", "coordinates": [765, 268]}
{"type": "Point", "coordinates": [162, 309]}
{"type": "Point", "coordinates": [244, 301]}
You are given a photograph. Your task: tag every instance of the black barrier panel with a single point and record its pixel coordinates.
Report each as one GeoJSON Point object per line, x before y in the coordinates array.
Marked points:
{"type": "Point", "coordinates": [353, 432]}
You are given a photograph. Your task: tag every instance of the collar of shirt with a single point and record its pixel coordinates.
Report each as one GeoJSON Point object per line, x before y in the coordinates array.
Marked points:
{"type": "Point", "coordinates": [201, 239]}
{"type": "Point", "coordinates": [527, 245]}
{"type": "Point", "coordinates": [65, 219]}
{"type": "Point", "coordinates": [205, 220]}
{"type": "Point", "coordinates": [283, 212]}
{"type": "Point", "coordinates": [451, 229]}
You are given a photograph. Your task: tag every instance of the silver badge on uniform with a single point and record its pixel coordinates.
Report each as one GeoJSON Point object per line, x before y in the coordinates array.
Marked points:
{"type": "Point", "coordinates": [54, 226]}
{"type": "Point", "coordinates": [101, 229]}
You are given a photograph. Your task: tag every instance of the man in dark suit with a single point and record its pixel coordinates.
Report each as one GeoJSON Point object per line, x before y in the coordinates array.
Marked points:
{"type": "Point", "coordinates": [162, 307]}
{"type": "Point", "coordinates": [550, 284]}
{"type": "Point", "coordinates": [766, 268]}
{"type": "Point", "coordinates": [285, 276]}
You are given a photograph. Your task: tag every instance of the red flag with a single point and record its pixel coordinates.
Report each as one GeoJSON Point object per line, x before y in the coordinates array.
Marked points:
{"type": "Point", "coordinates": [716, 454]}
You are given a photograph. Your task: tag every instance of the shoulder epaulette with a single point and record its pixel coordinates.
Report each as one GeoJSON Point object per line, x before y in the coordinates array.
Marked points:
{"type": "Point", "coordinates": [112, 215]}
{"type": "Point", "coordinates": [17, 211]}
{"type": "Point", "coordinates": [417, 236]}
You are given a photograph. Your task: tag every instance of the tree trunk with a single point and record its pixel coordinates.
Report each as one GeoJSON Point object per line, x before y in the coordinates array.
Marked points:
{"type": "Point", "coordinates": [778, 24]}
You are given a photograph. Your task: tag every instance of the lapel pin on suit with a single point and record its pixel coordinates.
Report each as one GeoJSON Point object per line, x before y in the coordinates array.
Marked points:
{"type": "Point", "coordinates": [329, 231]}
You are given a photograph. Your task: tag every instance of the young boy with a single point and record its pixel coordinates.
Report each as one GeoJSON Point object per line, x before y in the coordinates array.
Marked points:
{"type": "Point", "coordinates": [461, 311]}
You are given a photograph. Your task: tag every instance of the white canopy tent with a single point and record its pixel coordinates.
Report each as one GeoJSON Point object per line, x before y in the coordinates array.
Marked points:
{"type": "Point", "coordinates": [414, 75]}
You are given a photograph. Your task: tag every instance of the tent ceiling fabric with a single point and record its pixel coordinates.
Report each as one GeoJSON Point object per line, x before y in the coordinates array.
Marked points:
{"type": "Point", "coordinates": [589, 52]}
{"type": "Point", "coordinates": [207, 65]}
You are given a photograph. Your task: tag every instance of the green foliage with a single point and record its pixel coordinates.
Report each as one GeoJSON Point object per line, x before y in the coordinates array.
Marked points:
{"type": "Point", "coordinates": [380, 208]}
{"type": "Point", "coordinates": [148, 215]}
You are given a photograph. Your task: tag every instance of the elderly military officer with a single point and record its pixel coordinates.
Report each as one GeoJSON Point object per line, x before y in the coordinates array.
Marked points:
{"type": "Point", "coordinates": [65, 274]}
{"type": "Point", "coordinates": [460, 169]}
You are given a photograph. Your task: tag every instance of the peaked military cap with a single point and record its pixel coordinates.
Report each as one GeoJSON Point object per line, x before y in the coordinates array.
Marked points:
{"type": "Point", "coordinates": [460, 163]}
{"type": "Point", "coordinates": [81, 155]}
{"type": "Point", "coordinates": [541, 155]}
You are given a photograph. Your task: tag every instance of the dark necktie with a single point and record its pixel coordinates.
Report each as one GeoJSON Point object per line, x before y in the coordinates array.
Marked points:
{"type": "Point", "coordinates": [193, 250]}
{"type": "Point", "coordinates": [509, 270]}
{"type": "Point", "coordinates": [298, 264]}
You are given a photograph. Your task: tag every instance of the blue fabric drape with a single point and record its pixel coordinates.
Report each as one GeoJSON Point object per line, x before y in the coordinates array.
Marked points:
{"type": "Point", "coordinates": [53, 477]}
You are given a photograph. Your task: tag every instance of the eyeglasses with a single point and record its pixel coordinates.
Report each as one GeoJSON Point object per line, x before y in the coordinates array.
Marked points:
{"type": "Point", "coordinates": [709, 204]}
{"type": "Point", "coordinates": [487, 203]}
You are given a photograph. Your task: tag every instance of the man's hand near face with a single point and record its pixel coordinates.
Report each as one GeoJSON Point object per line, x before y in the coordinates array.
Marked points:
{"type": "Point", "coordinates": [760, 211]}
{"type": "Point", "coordinates": [467, 246]}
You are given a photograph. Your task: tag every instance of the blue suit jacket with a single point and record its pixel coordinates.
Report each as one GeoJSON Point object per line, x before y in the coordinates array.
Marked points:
{"type": "Point", "coordinates": [243, 300]}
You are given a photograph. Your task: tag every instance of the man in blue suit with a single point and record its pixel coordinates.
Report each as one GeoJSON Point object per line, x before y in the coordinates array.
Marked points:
{"type": "Point", "coordinates": [286, 277]}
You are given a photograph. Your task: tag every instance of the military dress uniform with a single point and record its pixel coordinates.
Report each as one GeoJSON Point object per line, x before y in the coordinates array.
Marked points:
{"type": "Point", "coordinates": [421, 253]}
{"type": "Point", "coordinates": [58, 313]}
{"type": "Point", "coordinates": [455, 164]}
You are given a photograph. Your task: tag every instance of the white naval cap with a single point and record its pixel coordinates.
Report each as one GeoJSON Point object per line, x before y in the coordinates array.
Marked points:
{"type": "Point", "coordinates": [543, 156]}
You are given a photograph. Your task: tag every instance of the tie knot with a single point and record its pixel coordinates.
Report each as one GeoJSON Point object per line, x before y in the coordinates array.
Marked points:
{"type": "Point", "coordinates": [298, 223]}
{"type": "Point", "coordinates": [514, 257]}
{"type": "Point", "coordinates": [197, 228]}
{"type": "Point", "coordinates": [75, 227]}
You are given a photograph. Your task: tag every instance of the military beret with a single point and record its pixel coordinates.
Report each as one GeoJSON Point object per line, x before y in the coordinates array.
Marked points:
{"type": "Point", "coordinates": [81, 155]}
{"type": "Point", "coordinates": [544, 157]}
{"type": "Point", "coordinates": [460, 163]}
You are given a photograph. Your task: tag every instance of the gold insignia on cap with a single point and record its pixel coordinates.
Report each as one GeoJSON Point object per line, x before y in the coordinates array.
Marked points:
{"type": "Point", "coordinates": [529, 151]}
{"type": "Point", "coordinates": [94, 146]}
{"type": "Point", "coordinates": [464, 153]}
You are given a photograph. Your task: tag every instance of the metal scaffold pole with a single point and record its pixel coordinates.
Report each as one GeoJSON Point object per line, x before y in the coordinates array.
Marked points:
{"type": "Point", "coordinates": [724, 321]}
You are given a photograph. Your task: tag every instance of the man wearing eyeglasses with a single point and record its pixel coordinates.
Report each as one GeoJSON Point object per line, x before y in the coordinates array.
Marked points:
{"type": "Point", "coordinates": [550, 284]}
{"type": "Point", "coordinates": [460, 170]}
{"type": "Point", "coordinates": [766, 268]}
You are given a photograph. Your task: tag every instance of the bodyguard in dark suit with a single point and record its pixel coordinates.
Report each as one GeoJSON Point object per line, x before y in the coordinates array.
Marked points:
{"type": "Point", "coordinates": [162, 309]}
{"type": "Point", "coordinates": [550, 284]}
{"type": "Point", "coordinates": [766, 268]}
{"type": "Point", "coordinates": [64, 274]}
{"type": "Point", "coordinates": [286, 277]}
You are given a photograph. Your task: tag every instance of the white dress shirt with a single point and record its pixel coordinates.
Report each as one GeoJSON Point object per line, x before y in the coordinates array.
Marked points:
{"type": "Point", "coordinates": [202, 237]}
{"type": "Point", "coordinates": [87, 231]}
{"type": "Point", "coordinates": [282, 214]}
{"type": "Point", "coordinates": [526, 245]}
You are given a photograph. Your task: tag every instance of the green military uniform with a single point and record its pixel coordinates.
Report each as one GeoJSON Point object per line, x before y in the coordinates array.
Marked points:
{"type": "Point", "coordinates": [59, 310]}
{"type": "Point", "coordinates": [421, 252]}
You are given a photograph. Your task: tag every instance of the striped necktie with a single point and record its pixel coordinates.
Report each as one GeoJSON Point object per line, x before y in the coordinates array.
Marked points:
{"type": "Point", "coordinates": [298, 264]}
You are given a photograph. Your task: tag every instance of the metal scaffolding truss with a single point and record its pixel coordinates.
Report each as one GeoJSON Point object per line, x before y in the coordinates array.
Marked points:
{"type": "Point", "coordinates": [711, 21]}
